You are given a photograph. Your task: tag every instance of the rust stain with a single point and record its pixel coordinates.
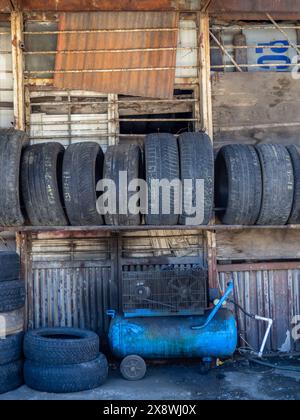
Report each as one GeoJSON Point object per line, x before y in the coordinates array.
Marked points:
{"type": "Point", "coordinates": [150, 83]}
{"type": "Point", "coordinates": [249, 6]}
{"type": "Point", "coordinates": [14, 41]}
{"type": "Point", "coordinates": [92, 5]}
{"type": "Point", "coordinates": [5, 6]}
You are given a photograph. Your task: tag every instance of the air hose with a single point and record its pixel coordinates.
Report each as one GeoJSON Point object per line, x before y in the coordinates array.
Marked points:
{"type": "Point", "coordinates": [270, 365]}
{"type": "Point", "coordinates": [258, 361]}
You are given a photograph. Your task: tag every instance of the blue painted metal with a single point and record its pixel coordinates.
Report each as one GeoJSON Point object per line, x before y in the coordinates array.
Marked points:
{"type": "Point", "coordinates": [173, 337]}
{"type": "Point", "coordinates": [216, 309]}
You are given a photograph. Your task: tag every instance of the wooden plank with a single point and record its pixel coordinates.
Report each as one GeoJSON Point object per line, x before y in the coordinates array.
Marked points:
{"type": "Point", "coordinates": [207, 125]}
{"type": "Point", "coordinates": [276, 266]}
{"type": "Point", "coordinates": [256, 107]}
{"type": "Point", "coordinates": [251, 244]}
{"type": "Point", "coordinates": [18, 69]}
{"type": "Point", "coordinates": [240, 55]}
{"type": "Point", "coordinates": [113, 119]}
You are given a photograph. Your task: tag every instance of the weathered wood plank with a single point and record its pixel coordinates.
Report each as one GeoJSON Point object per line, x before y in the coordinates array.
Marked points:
{"type": "Point", "coordinates": [256, 107]}
{"type": "Point", "coordinates": [253, 244]}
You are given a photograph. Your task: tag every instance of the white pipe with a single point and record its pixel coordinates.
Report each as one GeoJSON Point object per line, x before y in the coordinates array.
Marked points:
{"type": "Point", "coordinates": [270, 323]}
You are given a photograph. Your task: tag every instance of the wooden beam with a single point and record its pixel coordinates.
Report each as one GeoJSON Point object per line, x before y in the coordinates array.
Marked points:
{"type": "Point", "coordinates": [113, 119]}
{"type": "Point", "coordinates": [205, 82]}
{"type": "Point", "coordinates": [207, 125]}
{"type": "Point", "coordinates": [18, 69]}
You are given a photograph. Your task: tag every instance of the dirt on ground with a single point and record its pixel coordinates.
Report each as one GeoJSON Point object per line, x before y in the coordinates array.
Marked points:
{"type": "Point", "coordinates": [233, 381]}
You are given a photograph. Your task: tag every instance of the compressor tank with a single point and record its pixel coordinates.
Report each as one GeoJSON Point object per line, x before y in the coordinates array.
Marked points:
{"type": "Point", "coordinates": [173, 337]}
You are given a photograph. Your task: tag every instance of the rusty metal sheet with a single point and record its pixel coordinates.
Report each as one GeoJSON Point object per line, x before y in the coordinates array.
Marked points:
{"type": "Point", "coordinates": [138, 73]}
{"type": "Point", "coordinates": [5, 6]}
{"type": "Point", "coordinates": [254, 6]}
{"type": "Point", "coordinates": [272, 293]}
{"type": "Point", "coordinates": [92, 5]}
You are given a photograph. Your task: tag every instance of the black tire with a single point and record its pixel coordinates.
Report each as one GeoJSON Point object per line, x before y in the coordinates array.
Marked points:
{"type": "Point", "coordinates": [11, 145]}
{"type": "Point", "coordinates": [133, 368]}
{"type": "Point", "coordinates": [82, 169]}
{"type": "Point", "coordinates": [61, 346]}
{"type": "Point", "coordinates": [11, 348]}
{"type": "Point", "coordinates": [12, 322]}
{"type": "Point", "coordinates": [11, 376]}
{"type": "Point", "coordinates": [12, 295]}
{"type": "Point", "coordinates": [238, 184]}
{"type": "Point", "coordinates": [66, 378]}
{"type": "Point", "coordinates": [41, 173]}
{"type": "Point", "coordinates": [197, 162]}
{"type": "Point", "coordinates": [123, 157]}
{"type": "Point", "coordinates": [162, 162]}
{"type": "Point", "coordinates": [294, 152]}
{"type": "Point", "coordinates": [278, 184]}
{"type": "Point", "coordinates": [10, 266]}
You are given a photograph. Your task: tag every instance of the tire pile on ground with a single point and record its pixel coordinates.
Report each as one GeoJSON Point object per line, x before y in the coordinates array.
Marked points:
{"type": "Point", "coordinates": [58, 186]}
{"type": "Point", "coordinates": [63, 360]}
{"type": "Point", "coordinates": [12, 300]}
{"type": "Point", "coordinates": [258, 185]}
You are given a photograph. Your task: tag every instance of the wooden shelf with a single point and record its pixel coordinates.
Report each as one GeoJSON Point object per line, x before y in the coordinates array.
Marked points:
{"type": "Point", "coordinates": [211, 228]}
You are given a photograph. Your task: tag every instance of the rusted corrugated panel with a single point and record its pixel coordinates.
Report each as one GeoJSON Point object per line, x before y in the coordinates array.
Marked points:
{"type": "Point", "coordinates": [269, 293]}
{"type": "Point", "coordinates": [254, 6]}
{"type": "Point", "coordinates": [80, 5]}
{"type": "Point", "coordinates": [5, 6]}
{"type": "Point", "coordinates": [140, 73]}
{"type": "Point", "coordinates": [70, 283]}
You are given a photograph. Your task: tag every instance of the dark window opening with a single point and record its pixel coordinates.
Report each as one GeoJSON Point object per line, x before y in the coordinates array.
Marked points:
{"type": "Point", "coordinates": [176, 122]}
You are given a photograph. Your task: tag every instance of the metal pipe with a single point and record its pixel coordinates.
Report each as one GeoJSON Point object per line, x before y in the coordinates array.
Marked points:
{"type": "Point", "coordinates": [110, 51]}
{"type": "Point", "coordinates": [104, 31]}
{"type": "Point", "coordinates": [240, 47]}
{"type": "Point", "coordinates": [256, 65]}
{"type": "Point", "coordinates": [225, 51]}
{"type": "Point", "coordinates": [252, 27]}
{"type": "Point", "coordinates": [108, 70]}
{"type": "Point", "coordinates": [283, 32]}
{"type": "Point", "coordinates": [270, 323]}
{"type": "Point", "coordinates": [216, 309]}
{"type": "Point", "coordinates": [105, 102]}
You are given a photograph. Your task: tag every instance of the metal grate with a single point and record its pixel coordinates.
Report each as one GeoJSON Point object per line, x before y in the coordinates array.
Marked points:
{"type": "Point", "coordinates": [163, 293]}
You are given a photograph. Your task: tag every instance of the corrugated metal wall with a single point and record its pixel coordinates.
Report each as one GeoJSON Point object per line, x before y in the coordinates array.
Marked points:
{"type": "Point", "coordinates": [269, 293]}
{"type": "Point", "coordinates": [71, 283]}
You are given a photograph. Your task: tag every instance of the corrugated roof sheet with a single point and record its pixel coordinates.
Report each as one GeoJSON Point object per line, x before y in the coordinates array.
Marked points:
{"type": "Point", "coordinates": [140, 73]}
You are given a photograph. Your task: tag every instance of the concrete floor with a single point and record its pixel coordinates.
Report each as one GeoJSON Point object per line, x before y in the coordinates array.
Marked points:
{"type": "Point", "coordinates": [235, 381]}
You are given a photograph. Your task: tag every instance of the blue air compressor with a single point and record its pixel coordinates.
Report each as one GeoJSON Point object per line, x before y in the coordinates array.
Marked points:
{"type": "Point", "coordinates": [166, 316]}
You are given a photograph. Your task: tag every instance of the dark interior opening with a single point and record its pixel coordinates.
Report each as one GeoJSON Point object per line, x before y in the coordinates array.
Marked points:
{"type": "Point", "coordinates": [172, 127]}
{"type": "Point", "coordinates": [221, 189]}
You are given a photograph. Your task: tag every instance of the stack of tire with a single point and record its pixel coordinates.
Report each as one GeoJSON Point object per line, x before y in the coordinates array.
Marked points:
{"type": "Point", "coordinates": [12, 300]}
{"type": "Point", "coordinates": [63, 360]}
{"type": "Point", "coordinates": [59, 186]}
{"type": "Point", "coordinates": [258, 185]}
